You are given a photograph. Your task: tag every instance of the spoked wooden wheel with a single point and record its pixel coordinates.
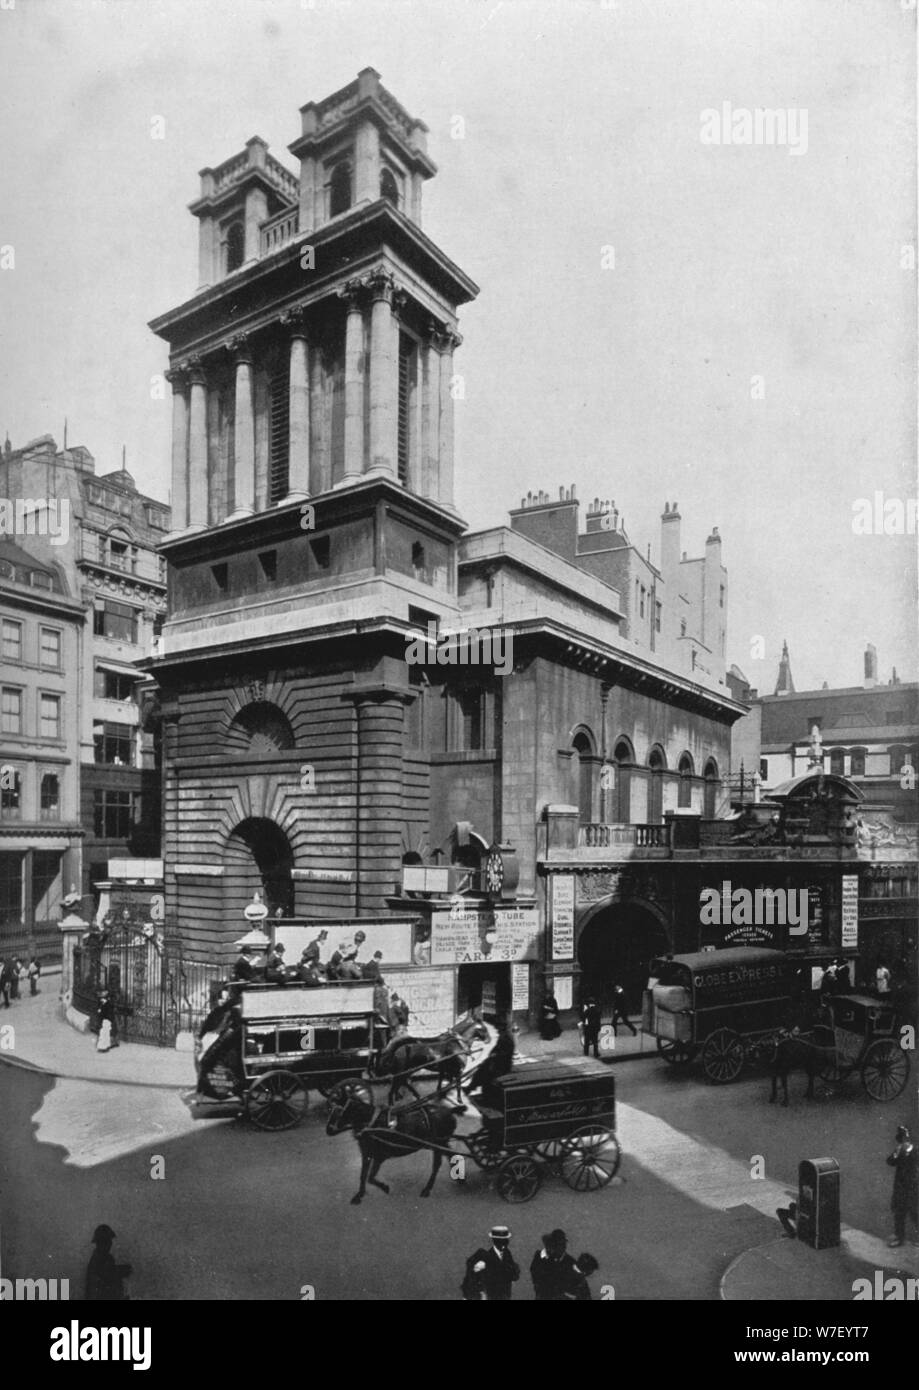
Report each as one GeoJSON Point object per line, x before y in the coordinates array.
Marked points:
{"type": "Point", "coordinates": [678, 1054]}
{"type": "Point", "coordinates": [550, 1151]}
{"type": "Point", "coordinates": [278, 1100]}
{"type": "Point", "coordinates": [519, 1178]}
{"type": "Point", "coordinates": [723, 1056]}
{"type": "Point", "coordinates": [590, 1158]}
{"type": "Point", "coordinates": [885, 1070]}
{"type": "Point", "coordinates": [479, 1146]}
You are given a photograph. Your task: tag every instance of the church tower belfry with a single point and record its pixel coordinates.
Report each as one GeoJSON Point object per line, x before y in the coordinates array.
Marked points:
{"type": "Point", "coordinates": [318, 350]}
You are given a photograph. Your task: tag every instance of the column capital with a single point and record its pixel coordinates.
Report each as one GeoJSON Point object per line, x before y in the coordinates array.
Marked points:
{"type": "Point", "coordinates": [294, 320]}
{"type": "Point", "coordinates": [240, 347]}
{"type": "Point", "coordinates": [195, 369]}
{"type": "Point", "coordinates": [352, 292]}
{"type": "Point", "coordinates": [441, 337]}
{"type": "Point", "coordinates": [381, 284]}
{"type": "Point", "coordinates": [177, 378]}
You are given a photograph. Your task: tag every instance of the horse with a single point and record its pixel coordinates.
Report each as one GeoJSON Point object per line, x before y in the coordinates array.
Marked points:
{"type": "Point", "coordinates": [446, 1054]}
{"type": "Point", "coordinates": [395, 1133]}
{"type": "Point", "coordinates": [797, 1051]}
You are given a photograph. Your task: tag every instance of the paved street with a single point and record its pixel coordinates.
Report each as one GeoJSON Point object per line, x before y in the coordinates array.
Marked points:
{"type": "Point", "coordinates": [241, 1214]}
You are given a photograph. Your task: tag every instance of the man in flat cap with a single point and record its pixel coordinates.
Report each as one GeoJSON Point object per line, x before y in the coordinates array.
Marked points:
{"type": "Point", "coordinates": [491, 1273]}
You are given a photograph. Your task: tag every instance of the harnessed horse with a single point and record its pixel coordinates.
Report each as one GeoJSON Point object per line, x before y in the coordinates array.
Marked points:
{"type": "Point", "coordinates": [384, 1133]}
{"type": "Point", "coordinates": [446, 1055]}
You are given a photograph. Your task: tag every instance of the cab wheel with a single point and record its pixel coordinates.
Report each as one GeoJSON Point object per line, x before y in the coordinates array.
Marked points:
{"type": "Point", "coordinates": [723, 1056]}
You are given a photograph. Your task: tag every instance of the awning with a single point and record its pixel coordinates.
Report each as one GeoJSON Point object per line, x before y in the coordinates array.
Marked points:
{"type": "Point", "coordinates": [121, 669]}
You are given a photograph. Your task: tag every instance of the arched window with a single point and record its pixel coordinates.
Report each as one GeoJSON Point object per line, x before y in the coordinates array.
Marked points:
{"type": "Point", "coordinates": [624, 758]}
{"type": "Point", "coordinates": [685, 769]}
{"type": "Point", "coordinates": [260, 728]}
{"type": "Point", "coordinates": [583, 746]}
{"type": "Point", "coordinates": [837, 761]}
{"type": "Point", "coordinates": [340, 189]}
{"type": "Point", "coordinates": [857, 765]}
{"type": "Point", "coordinates": [235, 246]}
{"type": "Point", "coordinates": [710, 802]}
{"type": "Point", "coordinates": [389, 188]}
{"type": "Point", "coordinates": [657, 763]}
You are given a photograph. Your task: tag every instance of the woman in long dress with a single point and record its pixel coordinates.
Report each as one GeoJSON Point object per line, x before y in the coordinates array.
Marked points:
{"type": "Point", "coordinates": [549, 1026]}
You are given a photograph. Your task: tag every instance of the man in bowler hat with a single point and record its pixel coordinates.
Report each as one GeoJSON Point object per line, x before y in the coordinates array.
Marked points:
{"type": "Point", "coordinates": [104, 1278]}
{"type": "Point", "coordinates": [553, 1270]}
{"type": "Point", "coordinates": [491, 1273]}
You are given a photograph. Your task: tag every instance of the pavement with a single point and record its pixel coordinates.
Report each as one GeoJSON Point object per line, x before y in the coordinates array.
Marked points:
{"type": "Point", "coordinates": [34, 1034]}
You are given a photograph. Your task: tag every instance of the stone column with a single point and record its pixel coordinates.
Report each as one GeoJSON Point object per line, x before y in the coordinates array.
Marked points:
{"type": "Point", "coordinates": [384, 377]}
{"type": "Point", "coordinates": [351, 293]}
{"type": "Point", "coordinates": [197, 447]}
{"type": "Point", "coordinates": [450, 340]}
{"type": "Point", "coordinates": [379, 783]}
{"type": "Point", "coordinates": [298, 476]}
{"type": "Point", "coordinates": [430, 416]}
{"type": "Point", "coordinates": [244, 431]}
{"type": "Point", "coordinates": [178, 380]}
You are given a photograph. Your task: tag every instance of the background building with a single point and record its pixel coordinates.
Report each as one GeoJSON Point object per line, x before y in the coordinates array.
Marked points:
{"type": "Point", "coordinates": [41, 636]}
{"type": "Point", "coordinates": [106, 551]}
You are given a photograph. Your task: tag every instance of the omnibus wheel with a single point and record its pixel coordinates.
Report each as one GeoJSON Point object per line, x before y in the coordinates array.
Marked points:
{"type": "Point", "coordinates": [590, 1158]}
{"type": "Point", "coordinates": [723, 1056]}
{"type": "Point", "coordinates": [519, 1178]}
{"type": "Point", "coordinates": [885, 1070]}
{"type": "Point", "coordinates": [677, 1054]}
{"type": "Point", "coordinates": [479, 1145]}
{"type": "Point", "coordinates": [278, 1100]}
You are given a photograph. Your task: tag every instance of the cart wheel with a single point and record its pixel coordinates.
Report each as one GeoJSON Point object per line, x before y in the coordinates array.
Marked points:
{"type": "Point", "coordinates": [519, 1178]}
{"type": "Point", "coordinates": [479, 1145]}
{"type": "Point", "coordinates": [278, 1100]}
{"type": "Point", "coordinates": [723, 1056]}
{"type": "Point", "coordinates": [885, 1070]}
{"type": "Point", "coordinates": [590, 1158]}
{"type": "Point", "coordinates": [343, 1091]}
{"type": "Point", "coordinates": [678, 1054]}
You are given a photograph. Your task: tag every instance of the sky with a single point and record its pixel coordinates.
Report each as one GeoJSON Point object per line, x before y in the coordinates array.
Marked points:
{"type": "Point", "coordinates": [730, 326]}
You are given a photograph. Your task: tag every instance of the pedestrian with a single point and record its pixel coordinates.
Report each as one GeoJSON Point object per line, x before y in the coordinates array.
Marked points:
{"type": "Point", "coordinates": [619, 1014]}
{"type": "Point", "coordinates": [104, 1278]}
{"type": "Point", "coordinates": [882, 978]}
{"type": "Point", "coordinates": [904, 1202]}
{"type": "Point", "coordinates": [6, 981]}
{"type": "Point", "coordinates": [552, 1269]}
{"type": "Point", "coordinates": [34, 974]}
{"type": "Point", "coordinates": [549, 1026]}
{"type": "Point", "coordinates": [590, 1025]}
{"type": "Point", "coordinates": [18, 970]}
{"type": "Point", "coordinates": [491, 1273]}
{"type": "Point", "coordinates": [828, 983]}
{"type": "Point", "coordinates": [106, 1013]}
{"type": "Point", "coordinates": [579, 1292]}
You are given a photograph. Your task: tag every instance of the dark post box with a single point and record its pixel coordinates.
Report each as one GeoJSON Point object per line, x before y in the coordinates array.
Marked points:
{"type": "Point", "coordinates": [818, 1202]}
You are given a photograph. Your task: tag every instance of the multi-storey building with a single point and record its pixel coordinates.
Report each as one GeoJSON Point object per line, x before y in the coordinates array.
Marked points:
{"type": "Point", "coordinates": [41, 642]}
{"type": "Point", "coordinates": [103, 534]}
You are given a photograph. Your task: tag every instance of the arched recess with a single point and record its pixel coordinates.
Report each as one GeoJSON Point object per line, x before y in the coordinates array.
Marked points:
{"type": "Point", "coordinates": [624, 758]}
{"type": "Point", "coordinates": [259, 728]}
{"type": "Point", "coordinates": [585, 751]}
{"type": "Point", "coordinates": [616, 942]}
{"type": "Point", "coordinates": [257, 856]}
{"type": "Point", "coordinates": [657, 763]}
{"type": "Point", "coordinates": [389, 187]}
{"type": "Point", "coordinates": [340, 189]}
{"type": "Point", "coordinates": [686, 769]}
{"type": "Point", "coordinates": [712, 778]}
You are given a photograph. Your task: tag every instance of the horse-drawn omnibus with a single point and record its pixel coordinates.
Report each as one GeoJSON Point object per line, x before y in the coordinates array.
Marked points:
{"type": "Point", "coordinates": [726, 1007]}
{"type": "Point", "coordinates": [277, 1042]}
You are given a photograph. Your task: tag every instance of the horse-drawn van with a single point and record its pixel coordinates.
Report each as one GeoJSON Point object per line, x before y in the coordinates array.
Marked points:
{"type": "Point", "coordinates": [727, 1007]}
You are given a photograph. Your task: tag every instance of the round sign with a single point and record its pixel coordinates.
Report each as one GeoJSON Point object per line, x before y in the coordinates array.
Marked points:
{"type": "Point", "coordinates": [255, 912]}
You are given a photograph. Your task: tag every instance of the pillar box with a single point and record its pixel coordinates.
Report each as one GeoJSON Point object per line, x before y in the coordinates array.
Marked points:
{"type": "Point", "coordinates": [72, 929]}
{"type": "Point", "coordinates": [818, 1202]}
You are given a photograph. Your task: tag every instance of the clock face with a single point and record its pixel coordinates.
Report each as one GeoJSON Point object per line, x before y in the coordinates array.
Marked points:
{"type": "Point", "coordinates": [494, 872]}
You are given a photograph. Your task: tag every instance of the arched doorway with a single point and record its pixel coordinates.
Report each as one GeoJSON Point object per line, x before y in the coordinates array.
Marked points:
{"type": "Point", "coordinates": [616, 944]}
{"type": "Point", "coordinates": [258, 856]}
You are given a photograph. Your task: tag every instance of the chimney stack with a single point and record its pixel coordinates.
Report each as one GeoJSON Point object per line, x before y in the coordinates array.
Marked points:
{"type": "Point", "coordinates": [871, 666]}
